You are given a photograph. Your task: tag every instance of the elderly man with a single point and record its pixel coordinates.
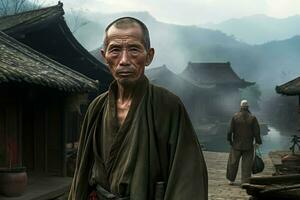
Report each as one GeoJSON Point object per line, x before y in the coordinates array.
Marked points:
{"type": "Point", "coordinates": [244, 129]}
{"type": "Point", "coordinates": [137, 141]}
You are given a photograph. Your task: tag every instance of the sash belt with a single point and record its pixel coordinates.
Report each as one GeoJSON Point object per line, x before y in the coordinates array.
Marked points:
{"type": "Point", "coordinates": [102, 194]}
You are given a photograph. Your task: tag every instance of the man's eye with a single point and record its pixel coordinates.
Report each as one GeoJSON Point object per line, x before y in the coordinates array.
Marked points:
{"type": "Point", "coordinates": [114, 50]}
{"type": "Point", "coordinates": [134, 50]}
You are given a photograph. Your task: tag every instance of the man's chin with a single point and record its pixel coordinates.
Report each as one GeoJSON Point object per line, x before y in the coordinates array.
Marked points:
{"type": "Point", "coordinates": [126, 81]}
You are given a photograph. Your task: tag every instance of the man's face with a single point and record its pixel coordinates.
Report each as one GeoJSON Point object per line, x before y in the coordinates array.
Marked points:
{"type": "Point", "coordinates": [125, 54]}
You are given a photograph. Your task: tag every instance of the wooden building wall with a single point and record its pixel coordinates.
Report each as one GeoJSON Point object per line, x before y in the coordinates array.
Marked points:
{"type": "Point", "coordinates": [35, 119]}
{"type": "Point", "coordinates": [10, 130]}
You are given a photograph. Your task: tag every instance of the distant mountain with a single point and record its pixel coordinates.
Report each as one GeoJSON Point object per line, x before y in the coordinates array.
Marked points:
{"type": "Point", "coordinates": [258, 29]}
{"type": "Point", "coordinates": [91, 34]}
{"type": "Point", "coordinates": [269, 64]}
{"type": "Point", "coordinates": [175, 45]}
{"type": "Point", "coordinates": [280, 60]}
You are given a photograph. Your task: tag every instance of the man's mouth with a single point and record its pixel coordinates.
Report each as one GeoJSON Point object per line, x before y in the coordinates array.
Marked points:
{"type": "Point", "coordinates": [124, 73]}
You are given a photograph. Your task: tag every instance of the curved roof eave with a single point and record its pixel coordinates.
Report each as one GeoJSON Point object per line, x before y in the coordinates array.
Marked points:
{"type": "Point", "coordinates": [290, 88]}
{"type": "Point", "coordinates": [37, 19]}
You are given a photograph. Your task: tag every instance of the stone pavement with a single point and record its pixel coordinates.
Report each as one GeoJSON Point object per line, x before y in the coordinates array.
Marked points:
{"type": "Point", "coordinates": [218, 188]}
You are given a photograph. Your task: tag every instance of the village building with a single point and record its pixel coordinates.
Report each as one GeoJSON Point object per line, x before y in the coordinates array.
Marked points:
{"type": "Point", "coordinates": [38, 95]}
{"type": "Point", "coordinates": [284, 182]}
{"type": "Point", "coordinates": [226, 84]}
{"type": "Point", "coordinates": [193, 96]}
{"type": "Point", "coordinates": [291, 88]}
{"type": "Point", "coordinates": [46, 31]}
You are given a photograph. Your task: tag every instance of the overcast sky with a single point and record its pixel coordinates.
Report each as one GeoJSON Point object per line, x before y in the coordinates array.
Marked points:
{"type": "Point", "coordinates": [189, 12]}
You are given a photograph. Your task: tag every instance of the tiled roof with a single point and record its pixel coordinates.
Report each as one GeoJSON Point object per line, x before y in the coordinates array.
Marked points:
{"type": "Point", "coordinates": [45, 29]}
{"type": "Point", "coordinates": [290, 88]}
{"type": "Point", "coordinates": [165, 77]}
{"type": "Point", "coordinates": [30, 18]}
{"type": "Point", "coordinates": [19, 63]}
{"type": "Point", "coordinates": [213, 73]}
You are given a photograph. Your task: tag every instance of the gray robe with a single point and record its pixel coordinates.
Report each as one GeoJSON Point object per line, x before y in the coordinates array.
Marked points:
{"type": "Point", "coordinates": [156, 143]}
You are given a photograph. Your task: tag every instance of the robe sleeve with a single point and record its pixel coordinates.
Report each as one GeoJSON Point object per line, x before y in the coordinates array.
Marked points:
{"type": "Point", "coordinates": [230, 131]}
{"type": "Point", "coordinates": [256, 131]}
{"type": "Point", "coordinates": [80, 183]}
{"type": "Point", "coordinates": [187, 169]}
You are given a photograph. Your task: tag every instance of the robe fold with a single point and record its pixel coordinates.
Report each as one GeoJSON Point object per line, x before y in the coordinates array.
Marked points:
{"type": "Point", "coordinates": [155, 144]}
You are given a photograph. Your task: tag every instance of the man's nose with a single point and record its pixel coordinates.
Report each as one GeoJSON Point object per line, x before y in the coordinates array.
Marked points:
{"type": "Point", "coordinates": [124, 58]}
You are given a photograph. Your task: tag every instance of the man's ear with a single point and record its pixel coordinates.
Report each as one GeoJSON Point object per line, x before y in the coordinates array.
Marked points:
{"type": "Point", "coordinates": [102, 52]}
{"type": "Point", "coordinates": [150, 55]}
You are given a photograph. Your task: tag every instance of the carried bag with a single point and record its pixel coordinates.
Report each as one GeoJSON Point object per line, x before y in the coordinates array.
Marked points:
{"type": "Point", "coordinates": [258, 163]}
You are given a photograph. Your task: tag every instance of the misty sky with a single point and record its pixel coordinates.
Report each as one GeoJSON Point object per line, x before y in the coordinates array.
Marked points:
{"type": "Point", "coordinates": [189, 12]}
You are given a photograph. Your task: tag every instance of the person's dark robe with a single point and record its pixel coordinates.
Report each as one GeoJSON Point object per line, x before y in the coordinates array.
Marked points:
{"type": "Point", "coordinates": [156, 143]}
{"type": "Point", "coordinates": [244, 128]}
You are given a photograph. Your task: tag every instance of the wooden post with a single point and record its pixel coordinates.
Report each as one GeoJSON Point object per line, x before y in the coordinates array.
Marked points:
{"type": "Point", "coordinates": [299, 104]}
{"type": "Point", "coordinates": [20, 131]}
{"type": "Point", "coordinates": [46, 137]}
{"type": "Point", "coordinates": [299, 114]}
{"type": "Point", "coordinates": [64, 116]}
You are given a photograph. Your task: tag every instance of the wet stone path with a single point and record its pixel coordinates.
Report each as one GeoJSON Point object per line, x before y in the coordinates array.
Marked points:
{"type": "Point", "coordinates": [218, 188]}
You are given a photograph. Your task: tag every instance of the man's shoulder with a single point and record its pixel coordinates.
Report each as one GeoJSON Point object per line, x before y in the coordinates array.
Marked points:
{"type": "Point", "coordinates": [101, 96]}
{"type": "Point", "coordinates": [252, 117]}
{"type": "Point", "coordinates": [98, 100]}
{"type": "Point", "coordinates": [237, 114]}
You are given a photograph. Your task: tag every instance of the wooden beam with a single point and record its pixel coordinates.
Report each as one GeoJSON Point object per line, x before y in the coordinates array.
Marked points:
{"type": "Point", "coordinates": [265, 180]}
{"type": "Point", "coordinates": [281, 188]}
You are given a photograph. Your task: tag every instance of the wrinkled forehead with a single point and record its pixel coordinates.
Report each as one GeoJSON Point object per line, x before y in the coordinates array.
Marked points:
{"type": "Point", "coordinates": [131, 32]}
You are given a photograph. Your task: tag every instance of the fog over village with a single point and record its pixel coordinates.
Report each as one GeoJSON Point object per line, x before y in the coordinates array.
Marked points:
{"type": "Point", "coordinates": [259, 48]}
{"type": "Point", "coordinates": [259, 41]}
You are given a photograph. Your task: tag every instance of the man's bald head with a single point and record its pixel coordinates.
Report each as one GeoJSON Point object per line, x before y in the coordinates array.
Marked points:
{"type": "Point", "coordinates": [129, 22]}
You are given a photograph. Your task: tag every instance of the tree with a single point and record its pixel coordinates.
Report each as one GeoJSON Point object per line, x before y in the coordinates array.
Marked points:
{"type": "Point", "coordinates": [10, 7]}
{"type": "Point", "coordinates": [76, 21]}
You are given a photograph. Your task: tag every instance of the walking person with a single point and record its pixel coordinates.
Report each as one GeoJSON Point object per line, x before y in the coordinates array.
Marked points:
{"type": "Point", "coordinates": [244, 131]}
